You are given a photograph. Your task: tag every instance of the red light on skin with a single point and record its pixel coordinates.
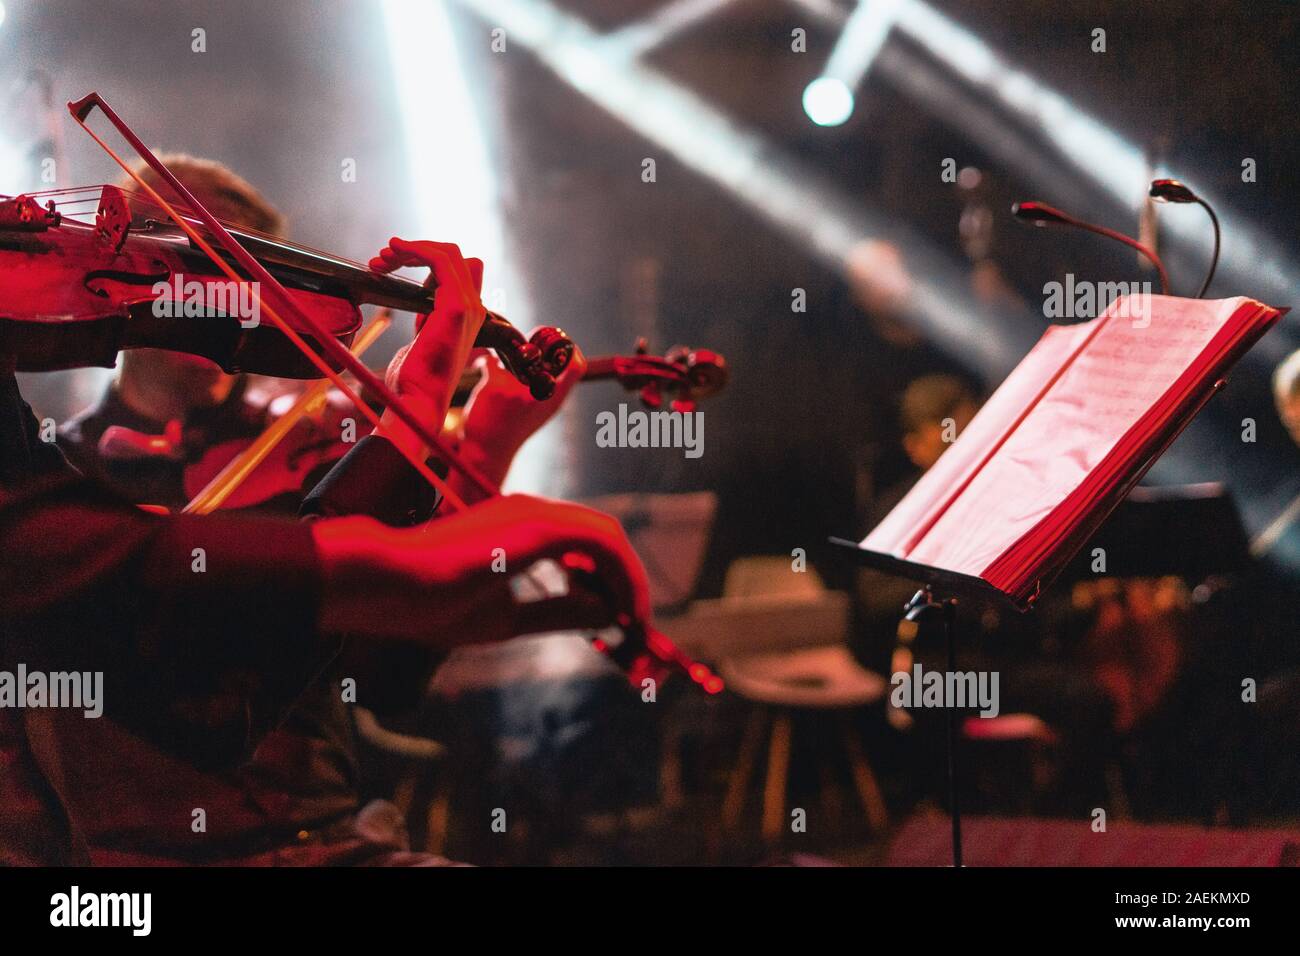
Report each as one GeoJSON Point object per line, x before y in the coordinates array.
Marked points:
{"type": "Point", "coordinates": [600, 645]}
{"type": "Point", "coordinates": [577, 561]}
{"type": "Point", "coordinates": [713, 685]}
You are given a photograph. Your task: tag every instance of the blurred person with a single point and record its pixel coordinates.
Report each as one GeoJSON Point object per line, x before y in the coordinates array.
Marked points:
{"type": "Point", "coordinates": [1275, 731]}
{"type": "Point", "coordinates": [249, 668]}
{"type": "Point", "coordinates": [177, 405]}
{"type": "Point", "coordinates": [1286, 394]}
{"type": "Point", "coordinates": [933, 412]}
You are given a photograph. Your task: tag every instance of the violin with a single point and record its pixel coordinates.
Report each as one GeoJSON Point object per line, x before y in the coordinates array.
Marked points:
{"type": "Point", "coordinates": [308, 430]}
{"type": "Point", "coordinates": [103, 276]}
{"type": "Point", "coordinates": [79, 290]}
{"type": "Point", "coordinates": [682, 375]}
{"type": "Point", "coordinates": [308, 447]}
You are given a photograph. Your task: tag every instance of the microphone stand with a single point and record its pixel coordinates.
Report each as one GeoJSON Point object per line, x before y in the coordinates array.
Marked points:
{"type": "Point", "coordinates": [1171, 190]}
{"type": "Point", "coordinates": [1040, 214]}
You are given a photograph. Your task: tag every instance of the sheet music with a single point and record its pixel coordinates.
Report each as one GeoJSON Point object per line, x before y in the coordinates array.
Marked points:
{"type": "Point", "coordinates": [1126, 370]}
{"type": "Point", "coordinates": [909, 521]}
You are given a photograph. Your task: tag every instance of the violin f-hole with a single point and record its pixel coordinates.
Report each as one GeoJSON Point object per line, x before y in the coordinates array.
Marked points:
{"type": "Point", "coordinates": [126, 278]}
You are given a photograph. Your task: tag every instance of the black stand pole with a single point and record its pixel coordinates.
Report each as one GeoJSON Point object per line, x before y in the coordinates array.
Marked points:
{"type": "Point", "coordinates": [949, 627]}
{"type": "Point", "coordinates": [923, 606]}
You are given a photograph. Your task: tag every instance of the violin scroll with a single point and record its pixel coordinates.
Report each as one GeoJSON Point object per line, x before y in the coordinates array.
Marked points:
{"type": "Point", "coordinates": [684, 374]}
{"type": "Point", "coordinates": [536, 361]}
{"type": "Point", "coordinates": [706, 372]}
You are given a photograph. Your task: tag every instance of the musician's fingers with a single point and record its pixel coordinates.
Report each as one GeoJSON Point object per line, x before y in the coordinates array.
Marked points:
{"type": "Point", "coordinates": [615, 566]}
{"type": "Point", "coordinates": [449, 295]}
{"type": "Point", "coordinates": [577, 610]}
{"type": "Point", "coordinates": [475, 265]}
{"type": "Point", "coordinates": [400, 253]}
{"type": "Point", "coordinates": [428, 248]}
{"type": "Point", "coordinates": [388, 260]}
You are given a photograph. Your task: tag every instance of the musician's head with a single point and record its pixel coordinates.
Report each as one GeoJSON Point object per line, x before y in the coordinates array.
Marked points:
{"type": "Point", "coordinates": [227, 195]}
{"type": "Point", "coordinates": [1286, 392]}
{"type": "Point", "coordinates": [168, 381]}
{"type": "Point", "coordinates": [933, 412]}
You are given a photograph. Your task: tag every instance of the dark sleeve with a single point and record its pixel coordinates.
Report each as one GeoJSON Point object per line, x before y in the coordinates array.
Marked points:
{"type": "Point", "coordinates": [376, 480]}
{"type": "Point", "coordinates": [23, 453]}
{"type": "Point", "coordinates": [97, 578]}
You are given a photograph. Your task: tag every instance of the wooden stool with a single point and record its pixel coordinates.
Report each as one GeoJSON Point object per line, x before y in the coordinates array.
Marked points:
{"type": "Point", "coordinates": [822, 678]}
{"type": "Point", "coordinates": [1013, 757]}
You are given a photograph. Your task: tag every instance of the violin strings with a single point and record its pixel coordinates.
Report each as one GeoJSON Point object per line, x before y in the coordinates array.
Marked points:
{"type": "Point", "coordinates": [316, 359]}
{"type": "Point", "coordinates": [90, 195]}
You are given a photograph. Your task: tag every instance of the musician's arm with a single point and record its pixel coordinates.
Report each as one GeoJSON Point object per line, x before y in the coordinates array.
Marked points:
{"type": "Point", "coordinates": [501, 416]}
{"type": "Point", "coordinates": [101, 579]}
{"type": "Point", "coordinates": [376, 480]}
{"type": "Point", "coordinates": [23, 450]}
{"type": "Point", "coordinates": [81, 568]}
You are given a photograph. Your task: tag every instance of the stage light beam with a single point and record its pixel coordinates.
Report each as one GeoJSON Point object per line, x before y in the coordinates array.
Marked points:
{"type": "Point", "coordinates": [793, 197]}
{"type": "Point", "coordinates": [1097, 153]}
{"type": "Point", "coordinates": [829, 99]}
{"type": "Point", "coordinates": [454, 189]}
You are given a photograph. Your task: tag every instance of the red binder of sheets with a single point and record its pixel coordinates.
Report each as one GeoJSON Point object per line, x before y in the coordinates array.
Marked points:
{"type": "Point", "coordinates": [1065, 437]}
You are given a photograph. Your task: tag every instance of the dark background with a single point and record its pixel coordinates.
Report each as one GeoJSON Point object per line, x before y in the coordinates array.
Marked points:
{"type": "Point", "coordinates": [805, 434]}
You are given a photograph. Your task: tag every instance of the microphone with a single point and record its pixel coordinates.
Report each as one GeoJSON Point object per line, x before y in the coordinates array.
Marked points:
{"type": "Point", "coordinates": [1041, 214]}
{"type": "Point", "coordinates": [1171, 190]}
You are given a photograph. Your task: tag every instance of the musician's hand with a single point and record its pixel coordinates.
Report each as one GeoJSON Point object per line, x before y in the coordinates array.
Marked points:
{"type": "Point", "coordinates": [424, 374]}
{"type": "Point", "coordinates": [502, 415]}
{"type": "Point", "coordinates": [450, 584]}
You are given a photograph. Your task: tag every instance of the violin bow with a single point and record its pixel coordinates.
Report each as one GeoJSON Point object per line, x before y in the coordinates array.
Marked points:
{"type": "Point", "coordinates": [267, 287]}
{"type": "Point", "coordinates": [227, 481]}
{"type": "Point", "coordinates": [274, 300]}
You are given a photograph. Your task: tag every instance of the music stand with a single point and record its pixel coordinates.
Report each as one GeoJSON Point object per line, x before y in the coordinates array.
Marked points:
{"type": "Point", "coordinates": [957, 585]}
{"type": "Point", "coordinates": [922, 606]}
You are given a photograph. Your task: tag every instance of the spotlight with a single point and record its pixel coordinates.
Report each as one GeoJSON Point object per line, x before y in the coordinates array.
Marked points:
{"type": "Point", "coordinates": [828, 101]}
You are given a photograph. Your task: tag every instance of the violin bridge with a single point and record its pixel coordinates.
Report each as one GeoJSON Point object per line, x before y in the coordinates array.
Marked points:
{"type": "Point", "coordinates": [112, 218]}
